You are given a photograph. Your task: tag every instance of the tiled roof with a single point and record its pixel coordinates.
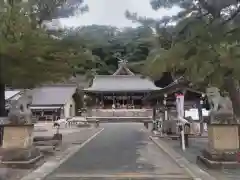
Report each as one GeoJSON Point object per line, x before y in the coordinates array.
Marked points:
{"type": "Point", "coordinates": [178, 85]}
{"type": "Point", "coordinates": [52, 95]}
{"type": "Point", "coordinates": [121, 83]}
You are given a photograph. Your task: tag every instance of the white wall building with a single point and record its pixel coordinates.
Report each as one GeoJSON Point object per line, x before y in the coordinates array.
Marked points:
{"type": "Point", "coordinates": [54, 101]}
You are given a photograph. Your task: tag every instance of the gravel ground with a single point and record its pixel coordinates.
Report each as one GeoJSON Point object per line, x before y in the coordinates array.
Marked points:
{"type": "Point", "coordinates": [71, 136]}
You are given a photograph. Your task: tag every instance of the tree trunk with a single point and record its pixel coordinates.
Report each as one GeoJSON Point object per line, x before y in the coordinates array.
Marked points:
{"type": "Point", "coordinates": [2, 100]}
{"type": "Point", "coordinates": [154, 118]}
{"type": "Point", "coordinates": [232, 86]}
{"type": "Point", "coordinates": [2, 89]}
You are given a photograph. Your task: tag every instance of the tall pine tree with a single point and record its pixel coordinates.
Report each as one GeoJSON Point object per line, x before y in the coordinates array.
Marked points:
{"type": "Point", "coordinates": [28, 54]}
{"type": "Point", "coordinates": [203, 45]}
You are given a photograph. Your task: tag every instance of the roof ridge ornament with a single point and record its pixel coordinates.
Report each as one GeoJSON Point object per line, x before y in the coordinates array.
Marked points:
{"type": "Point", "coordinates": [122, 62]}
{"type": "Point", "coordinates": [122, 65]}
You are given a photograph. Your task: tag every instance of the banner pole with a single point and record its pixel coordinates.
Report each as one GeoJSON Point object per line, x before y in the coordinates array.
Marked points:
{"type": "Point", "coordinates": [180, 111]}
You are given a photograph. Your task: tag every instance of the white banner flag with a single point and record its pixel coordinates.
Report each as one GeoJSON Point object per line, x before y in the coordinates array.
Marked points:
{"type": "Point", "coordinates": [180, 104]}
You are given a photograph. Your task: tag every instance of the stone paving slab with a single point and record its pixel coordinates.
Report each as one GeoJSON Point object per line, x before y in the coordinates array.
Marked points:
{"type": "Point", "coordinates": [115, 178]}
{"type": "Point", "coordinates": [68, 148]}
{"type": "Point", "coordinates": [121, 151]}
{"type": "Point", "coordinates": [191, 168]}
{"type": "Point", "coordinates": [196, 145]}
{"type": "Point", "coordinates": [118, 177]}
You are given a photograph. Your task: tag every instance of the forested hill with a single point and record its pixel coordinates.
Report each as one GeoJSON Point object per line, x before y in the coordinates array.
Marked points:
{"type": "Point", "coordinates": [106, 43]}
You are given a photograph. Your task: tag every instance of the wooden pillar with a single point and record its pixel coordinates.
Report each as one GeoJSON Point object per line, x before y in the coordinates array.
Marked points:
{"type": "Point", "coordinates": [158, 119]}
{"type": "Point", "coordinates": [154, 118]}
{"type": "Point", "coordinates": [132, 100]}
{"type": "Point", "coordinates": [96, 101]}
{"type": "Point", "coordinates": [165, 108]}
{"type": "Point", "coordinates": [113, 99]}
{"type": "Point", "coordinates": [184, 93]}
{"type": "Point", "coordinates": [201, 119]}
{"type": "Point", "coordinates": [100, 101]}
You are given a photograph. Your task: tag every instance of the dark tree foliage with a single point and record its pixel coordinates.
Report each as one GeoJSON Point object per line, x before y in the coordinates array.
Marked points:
{"type": "Point", "coordinates": [107, 42]}
{"type": "Point", "coordinates": [28, 54]}
{"type": "Point", "coordinates": [203, 45]}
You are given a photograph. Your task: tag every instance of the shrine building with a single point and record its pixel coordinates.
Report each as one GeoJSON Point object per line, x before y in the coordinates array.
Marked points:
{"type": "Point", "coordinates": [120, 96]}
{"type": "Point", "coordinates": [123, 89]}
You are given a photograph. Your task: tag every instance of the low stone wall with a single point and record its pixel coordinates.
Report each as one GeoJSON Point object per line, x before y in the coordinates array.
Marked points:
{"type": "Point", "coordinates": [120, 113]}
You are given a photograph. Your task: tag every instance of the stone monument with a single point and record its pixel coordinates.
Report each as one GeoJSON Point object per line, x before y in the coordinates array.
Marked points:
{"type": "Point", "coordinates": [223, 136]}
{"type": "Point", "coordinates": [18, 133]}
{"type": "Point", "coordinates": [221, 111]}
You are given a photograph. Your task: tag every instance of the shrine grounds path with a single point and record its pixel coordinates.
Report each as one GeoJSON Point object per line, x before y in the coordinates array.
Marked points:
{"type": "Point", "coordinates": [120, 151]}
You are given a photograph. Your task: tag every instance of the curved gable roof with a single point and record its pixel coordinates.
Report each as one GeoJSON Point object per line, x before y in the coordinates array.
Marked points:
{"type": "Point", "coordinates": [121, 83]}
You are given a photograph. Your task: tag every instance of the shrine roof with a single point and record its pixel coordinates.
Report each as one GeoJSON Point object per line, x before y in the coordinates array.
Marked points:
{"type": "Point", "coordinates": [177, 85]}
{"type": "Point", "coordinates": [52, 95]}
{"type": "Point", "coordinates": [121, 83]}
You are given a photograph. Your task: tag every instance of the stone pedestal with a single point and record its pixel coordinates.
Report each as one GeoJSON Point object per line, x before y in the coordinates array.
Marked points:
{"type": "Point", "coordinates": [223, 146]}
{"type": "Point", "coordinates": [223, 137]}
{"type": "Point", "coordinates": [17, 136]}
{"type": "Point", "coordinates": [18, 149]}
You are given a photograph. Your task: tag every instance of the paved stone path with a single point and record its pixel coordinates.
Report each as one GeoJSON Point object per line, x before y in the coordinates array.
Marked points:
{"type": "Point", "coordinates": [195, 148]}
{"type": "Point", "coordinates": [72, 139]}
{"type": "Point", "coordinates": [120, 151]}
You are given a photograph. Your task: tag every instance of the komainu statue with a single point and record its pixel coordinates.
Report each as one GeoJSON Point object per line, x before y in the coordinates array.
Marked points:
{"type": "Point", "coordinates": [221, 110]}
{"type": "Point", "coordinates": [20, 112]}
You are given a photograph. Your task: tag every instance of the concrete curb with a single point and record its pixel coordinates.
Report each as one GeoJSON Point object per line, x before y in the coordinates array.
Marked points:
{"type": "Point", "coordinates": [192, 169]}
{"type": "Point", "coordinates": [48, 167]}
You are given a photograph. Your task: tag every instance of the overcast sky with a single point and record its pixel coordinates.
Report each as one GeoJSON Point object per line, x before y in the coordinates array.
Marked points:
{"type": "Point", "coordinates": [111, 12]}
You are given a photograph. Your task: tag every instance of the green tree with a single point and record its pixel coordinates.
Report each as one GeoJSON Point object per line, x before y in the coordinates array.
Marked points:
{"type": "Point", "coordinates": [44, 10]}
{"type": "Point", "coordinates": [95, 39]}
{"type": "Point", "coordinates": [106, 42]}
{"type": "Point", "coordinates": [28, 54]}
{"type": "Point", "coordinates": [203, 46]}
